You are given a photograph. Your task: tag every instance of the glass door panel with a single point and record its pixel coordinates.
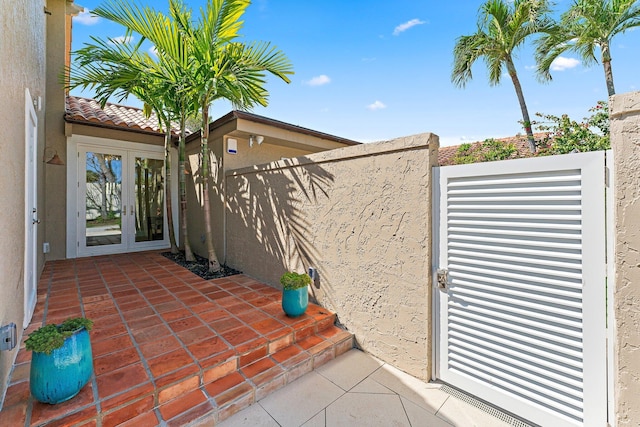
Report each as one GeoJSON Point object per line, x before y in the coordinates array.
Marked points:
{"type": "Point", "coordinates": [149, 199]}
{"type": "Point", "coordinates": [103, 199]}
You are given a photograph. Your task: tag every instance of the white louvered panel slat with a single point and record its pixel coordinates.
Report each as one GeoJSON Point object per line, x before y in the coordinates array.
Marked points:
{"type": "Point", "coordinates": [548, 317]}
{"type": "Point", "coordinates": [513, 232]}
{"type": "Point", "coordinates": [573, 373]}
{"type": "Point", "coordinates": [541, 198]}
{"type": "Point", "coordinates": [545, 322]}
{"type": "Point", "coordinates": [510, 265]}
{"type": "Point", "coordinates": [513, 179]}
{"type": "Point", "coordinates": [557, 385]}
{"type": "Point", "coordinates": [514, 320]}
{"type": "Point", "coordinates": [533, 253]}
{"type": "Point", "coordinates": [515, 242]}
{"type": "Point", "coordinates": [508, 224]}
{"type": "Point", "coordinates": [496, 377]}
{"type": "Point", "coordinates": [563, 360]}
{"type": "Point", "coordinates": [558, 189]}
{"type": "Point", "coordinates": [466, 316]}
{"type": "Point", "coordinates": [568, 283]}
{"type": "Point", "coordinates": [511, 258]}
{"type": "Point", "coordinates": [491, 332]}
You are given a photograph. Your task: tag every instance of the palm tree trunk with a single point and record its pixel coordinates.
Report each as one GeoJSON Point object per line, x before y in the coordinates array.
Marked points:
{"type": "Point", "coordinates": [182, 181]}
{"type": "Point", "coordinates": [214, 264]}
{"type": "Point", "coordinates": [608, 72]}
{"type": "Point", "coordinates": [526, 121]}
{"type": "Point", "coordinates": [167, 201]}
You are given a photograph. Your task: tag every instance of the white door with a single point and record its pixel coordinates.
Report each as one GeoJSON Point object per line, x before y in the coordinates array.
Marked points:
{"type": "Point", "coordinates": [120, 200]}
{"type": "Point", "coordinates": [31, 210]}
{"type": "Point", "coordinates": [521, 319]}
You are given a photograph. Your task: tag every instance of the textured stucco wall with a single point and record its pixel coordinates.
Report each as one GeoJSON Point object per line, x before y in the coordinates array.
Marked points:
{"type": "Point", "coordinates": [55, 183]}
{"type": "Point", "coordinates": [22, 49]}
{"type": "Point", "coordinates": [222, 161]}
{"type": "Point", "coordinates": [361, 216]}
{"type": "Point", "coordinates": [625, 141]}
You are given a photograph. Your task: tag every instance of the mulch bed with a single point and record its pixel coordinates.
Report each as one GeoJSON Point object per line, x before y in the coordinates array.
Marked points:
{"type": "Point", "coordinates": [200, 266]}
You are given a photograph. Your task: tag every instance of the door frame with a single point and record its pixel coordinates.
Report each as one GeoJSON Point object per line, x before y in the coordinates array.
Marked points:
{"type": "Point", "coordinates": [74, 145]}
{"type": "Point", "coordinates": [31, 209]}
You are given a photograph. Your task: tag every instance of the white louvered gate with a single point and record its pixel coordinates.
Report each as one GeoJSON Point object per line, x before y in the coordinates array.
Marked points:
{"type": "Point", "coordinates": [521, 322]}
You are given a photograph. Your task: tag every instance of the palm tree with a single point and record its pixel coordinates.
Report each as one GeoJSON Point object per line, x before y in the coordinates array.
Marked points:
{"type": "Point", "coordinates": [172, 77]}
{"type": "Point", "coordinates": [208, 63]}
{"type": "Point", "coordinates": [225, 69]}
{"type": "Point", "coordinates": [114, 68]}
{"type": "Point", "coordinates": [502, 28]}
{"type": "Point", "coordinates": [587, 25]}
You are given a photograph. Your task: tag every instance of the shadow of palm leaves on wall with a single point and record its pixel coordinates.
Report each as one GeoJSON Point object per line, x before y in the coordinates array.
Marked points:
{"type": "Point", "coordinates": [272, 202]}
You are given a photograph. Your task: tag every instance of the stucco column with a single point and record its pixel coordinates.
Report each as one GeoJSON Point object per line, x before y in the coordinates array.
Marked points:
{"type": "Point", "coordinates": [625, 141]}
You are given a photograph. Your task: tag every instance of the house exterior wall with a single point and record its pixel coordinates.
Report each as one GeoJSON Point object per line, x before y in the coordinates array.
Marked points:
{"type": "Point", "coordinates": [362, 216]}
{"type": "Point", "coordinates": [22, 47]}
{"type": "Point", "coordinates": [625, 141]}
{"type": "Point", "coordinates": [222, 161]}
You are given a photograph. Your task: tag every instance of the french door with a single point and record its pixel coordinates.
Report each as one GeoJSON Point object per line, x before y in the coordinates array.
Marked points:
{"type": "Point", "coordinates": [121, 200]}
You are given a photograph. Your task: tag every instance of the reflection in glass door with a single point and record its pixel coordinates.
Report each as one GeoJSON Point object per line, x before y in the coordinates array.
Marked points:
{"type": "Point", "coordinates": [149, 197]}
{"type": "Point", "coordinates": [121, 202]}
{"type": "Point", "coordinates": [103, 199]}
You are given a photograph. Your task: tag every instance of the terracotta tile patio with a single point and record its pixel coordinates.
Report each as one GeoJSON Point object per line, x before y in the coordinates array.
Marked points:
{"type": "Point", "coordinates": [169, 347]}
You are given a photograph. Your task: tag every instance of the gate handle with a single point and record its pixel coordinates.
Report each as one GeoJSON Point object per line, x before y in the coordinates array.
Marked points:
{"type": "Point", "coordinates": [443, 278]}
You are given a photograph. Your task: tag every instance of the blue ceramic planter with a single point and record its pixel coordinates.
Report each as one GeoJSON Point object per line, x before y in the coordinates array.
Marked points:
{"type": "Point", "coordinates": [59, 376]}
{"type": "Point", "coordinates": [295, 302]}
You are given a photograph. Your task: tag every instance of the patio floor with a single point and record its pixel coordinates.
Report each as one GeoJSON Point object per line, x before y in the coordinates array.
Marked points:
{"type": "Point", "coordinates": [169, 347]}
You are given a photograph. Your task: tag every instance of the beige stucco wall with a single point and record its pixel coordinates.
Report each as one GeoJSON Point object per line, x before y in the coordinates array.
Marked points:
{"type": "Point", "coordinates": [222, 161]}
{"type": "Point", "coordinates": [361, 216]}
{"type": "Point", "coordinates": [22, 49]}
{"type": "Point", "coordinates": [625, 141]}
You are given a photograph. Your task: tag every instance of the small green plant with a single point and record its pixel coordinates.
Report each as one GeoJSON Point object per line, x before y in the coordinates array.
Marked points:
{"type": "Point", "coordinates": [566, 135]}
{"type": "Point", "coordinates": [49, 337]}
{"type": "Point", "coordinates": [291, 281]}
{"type": "Point", "coordinates": [490, 150]}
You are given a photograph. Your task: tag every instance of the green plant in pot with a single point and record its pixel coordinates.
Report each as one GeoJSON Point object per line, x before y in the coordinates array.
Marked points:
{"type": "Point", "coordinates": [62, 362]}
{"type": "Point", "coordinates": [295, 295]}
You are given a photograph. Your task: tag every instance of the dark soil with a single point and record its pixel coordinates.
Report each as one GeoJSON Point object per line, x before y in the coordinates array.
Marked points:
{"type": "Point", "coordinates": [200, 266]}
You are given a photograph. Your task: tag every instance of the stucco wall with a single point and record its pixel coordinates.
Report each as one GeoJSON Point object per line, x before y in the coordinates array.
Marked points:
{"type": "Point", "coordinates": [625, 141]}
{"type": "Point", "coordinates": [22, 49]}
{"type": "Point", "coordinates": [222, 161]}
{"type": "Point", "coordinates": [55, 226]}
{"type": "Point", "coordinates": [361, 216]}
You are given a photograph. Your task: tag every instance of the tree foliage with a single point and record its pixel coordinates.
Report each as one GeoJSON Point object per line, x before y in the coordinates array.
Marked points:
{"type": "Point", "coordinates": [503, 27]}
{"type": "Point", "coordinates": [487, 151]}
{"type": "Point", "coordinates": [587, 26]}
{"type": "Point", "coordinates": [565, 135]}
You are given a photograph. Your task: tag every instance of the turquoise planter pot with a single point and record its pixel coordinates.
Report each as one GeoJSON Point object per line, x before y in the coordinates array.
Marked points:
{"type": "Point", "coordinates": [59, 376]}
{"type": "Point", "coordinates": [295, 302]}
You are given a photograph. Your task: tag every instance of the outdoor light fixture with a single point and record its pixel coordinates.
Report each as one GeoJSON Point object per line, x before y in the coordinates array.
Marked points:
{"type": "Point", "coordinates": [253, 139]}
{"type": "Point", "coordinates": [52, 159]}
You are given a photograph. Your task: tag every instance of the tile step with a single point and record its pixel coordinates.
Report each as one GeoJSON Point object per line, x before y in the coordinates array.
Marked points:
{"type": "Point", "coordinates": [247, 385]}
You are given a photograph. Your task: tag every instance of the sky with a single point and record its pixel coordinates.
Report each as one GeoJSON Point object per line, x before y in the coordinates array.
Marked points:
{"type": "Point", "coordinates": [371, 70]}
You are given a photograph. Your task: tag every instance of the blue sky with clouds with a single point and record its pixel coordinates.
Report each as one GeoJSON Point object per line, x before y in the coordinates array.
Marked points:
{"type": "Point", "coordinates": [371, 70]}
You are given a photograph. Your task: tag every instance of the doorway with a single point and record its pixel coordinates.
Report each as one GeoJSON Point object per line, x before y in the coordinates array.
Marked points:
{"type": "Point", "coordinates": [120, 199]}
{"type": "Point", "coordinates": [31, 210]}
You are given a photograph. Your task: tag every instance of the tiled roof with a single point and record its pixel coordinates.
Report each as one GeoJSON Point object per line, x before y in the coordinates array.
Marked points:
{"type": "Point", "coordinates": [88, 111]}
{"type": "Point", "coordinates": [447, 154]}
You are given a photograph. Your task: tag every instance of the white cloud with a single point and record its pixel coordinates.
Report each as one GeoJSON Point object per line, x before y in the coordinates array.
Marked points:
{"type": "Point", "coordinates": [404, 27]}
{"type": "Point", "coordinates": [86, 18]}
{"type": "Point", "coordinates": [378, 105]}
{"type": "Point", "coordinates": [561, 63]}
{"type": "Point", "coordinates": [153, 51]}
{"type": "Point", "coordinates": [320, 80]}
{"type": "Point", "coordinates": [123, 39]}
